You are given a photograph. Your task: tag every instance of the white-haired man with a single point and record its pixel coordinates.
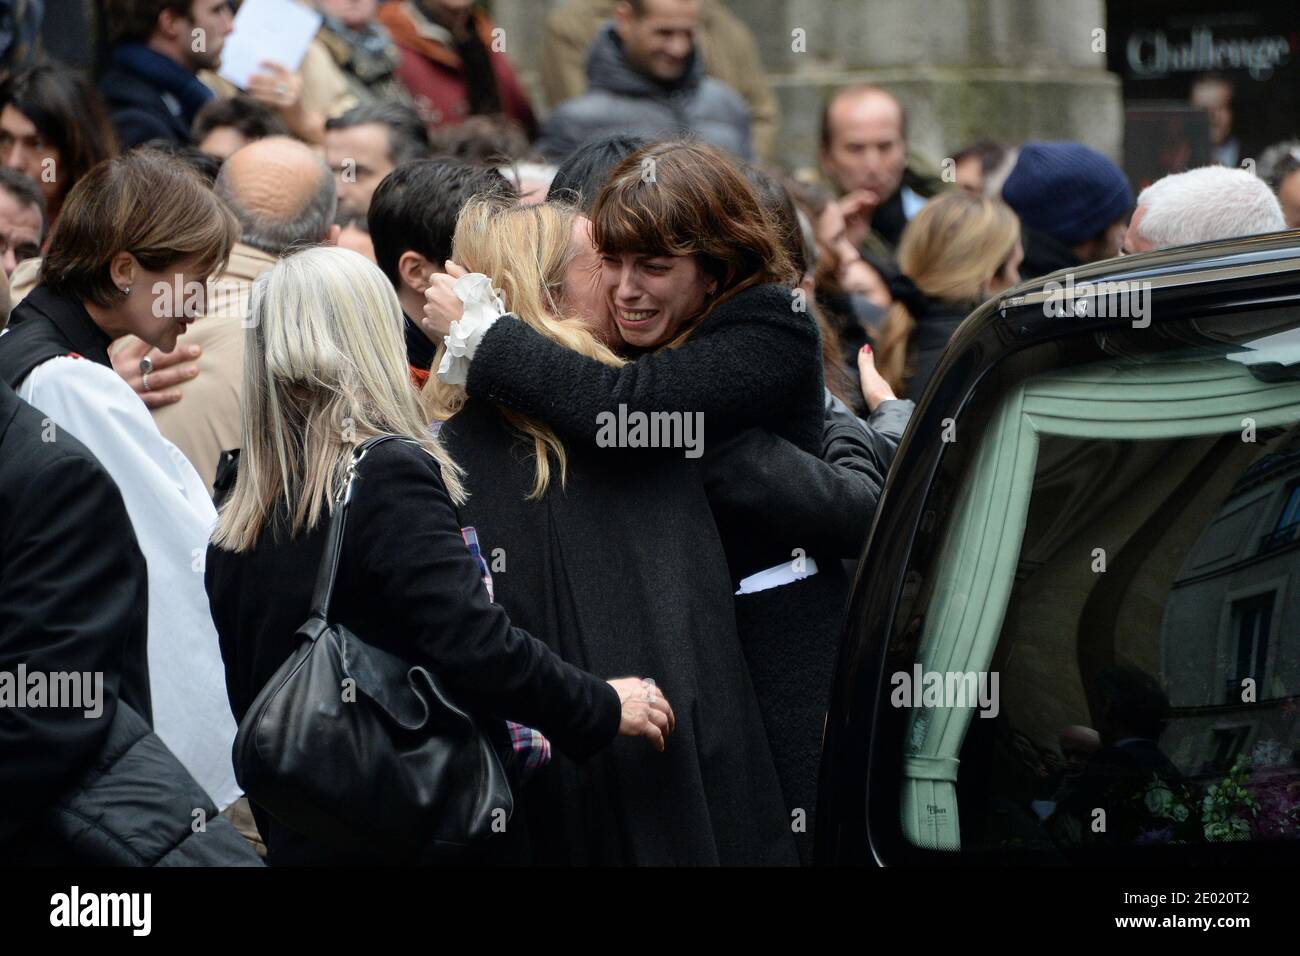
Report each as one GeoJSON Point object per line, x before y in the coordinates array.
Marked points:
{"type": "Point", "coordinates": [1200, 205]}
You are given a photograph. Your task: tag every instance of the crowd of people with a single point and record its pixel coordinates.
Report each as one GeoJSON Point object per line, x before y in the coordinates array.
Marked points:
{"type": "Point", "coordinates": [219, 295]}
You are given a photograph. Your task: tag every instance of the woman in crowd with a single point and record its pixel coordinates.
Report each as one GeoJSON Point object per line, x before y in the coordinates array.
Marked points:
{"type": "Point", "coordinates": [325, 370]}
{"type": "Point", "coordinates": [779, 205]}
{"type": "Point", "coordinates": [138, 238]}
{"type": "Point", "coordinates": [700, 290]}
{"type": "Point", "coordinates": [54, 128]}
{"type": "Point", "coordinates": [614, 557]}
{"type": "Point", "coordinates": [959, 250]}
{"type": "Point", "coordinates": [450, 64]}
{"type": "Point", "coordinates": [846, 391]}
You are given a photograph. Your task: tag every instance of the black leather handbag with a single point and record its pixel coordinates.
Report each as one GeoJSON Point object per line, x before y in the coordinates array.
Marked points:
{"type": "Point", "coordinates": [350, 745]}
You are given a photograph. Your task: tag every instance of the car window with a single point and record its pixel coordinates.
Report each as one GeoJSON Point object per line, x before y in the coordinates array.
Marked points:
{"type": "Point", "coordinates": [1106, 641]}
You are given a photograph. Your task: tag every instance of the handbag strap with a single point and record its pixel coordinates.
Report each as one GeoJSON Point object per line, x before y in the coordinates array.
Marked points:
{"type": "Point", "coordinates": [329, 562]}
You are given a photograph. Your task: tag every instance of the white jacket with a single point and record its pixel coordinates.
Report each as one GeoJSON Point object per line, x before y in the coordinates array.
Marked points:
{"type": "Point", "coordinates": [173, 517]}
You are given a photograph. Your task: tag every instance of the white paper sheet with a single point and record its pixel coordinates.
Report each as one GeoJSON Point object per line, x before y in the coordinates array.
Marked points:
{"type": "Point", "coordinates": [278, 30]}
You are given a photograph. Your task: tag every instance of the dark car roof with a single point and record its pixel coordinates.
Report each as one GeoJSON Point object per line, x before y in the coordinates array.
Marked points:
{"type": "Point", "coordinates": [1194, 263]}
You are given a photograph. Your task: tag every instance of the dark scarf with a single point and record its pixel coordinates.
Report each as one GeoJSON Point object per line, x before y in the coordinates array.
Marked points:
{"type": "Point", "coordinates": [903, 290]}
{"type": "Point", "coordinates": [370, 52]}
{"type": "Point", "coordinates": [165, 74]}
{"type": "Point", "coordinates": [888, 220]}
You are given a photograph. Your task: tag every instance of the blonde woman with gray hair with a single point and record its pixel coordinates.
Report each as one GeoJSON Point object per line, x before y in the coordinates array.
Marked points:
{"type": "Point", "coordinates": [325, 370]}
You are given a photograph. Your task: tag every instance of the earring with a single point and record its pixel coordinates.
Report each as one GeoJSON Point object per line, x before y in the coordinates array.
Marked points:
{"type": "Point", "coordinates": [126, 291]}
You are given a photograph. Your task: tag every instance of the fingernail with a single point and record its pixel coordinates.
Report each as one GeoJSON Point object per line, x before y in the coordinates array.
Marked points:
{"type": "Point", "coordinates": [191, 350]}
{"type": "Point", "coordinates": [192, 372]}
{"type": "Point", "coordinates": [867, 349]}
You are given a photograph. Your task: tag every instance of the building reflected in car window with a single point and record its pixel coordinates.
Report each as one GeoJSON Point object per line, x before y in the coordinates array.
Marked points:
{"type": "Point", "coordinates": [1122, 554]}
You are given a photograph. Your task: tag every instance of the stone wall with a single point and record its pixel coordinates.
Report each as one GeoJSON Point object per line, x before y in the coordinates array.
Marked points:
{"type": "Point", "coordinates": [965, 69]}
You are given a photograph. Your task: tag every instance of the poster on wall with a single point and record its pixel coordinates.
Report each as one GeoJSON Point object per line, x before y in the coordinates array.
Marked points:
{"type": "Point", "coordinates": [1241, 67]}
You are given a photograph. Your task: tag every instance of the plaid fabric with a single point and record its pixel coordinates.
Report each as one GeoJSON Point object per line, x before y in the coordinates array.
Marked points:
{"type": "Point", "coordinates": [531, 749]}
{"type": "Point", "coordinates": [471, 542]}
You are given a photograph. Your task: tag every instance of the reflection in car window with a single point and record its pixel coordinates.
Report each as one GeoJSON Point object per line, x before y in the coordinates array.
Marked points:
{"type": "Point", "coordinates": [1111, 632]}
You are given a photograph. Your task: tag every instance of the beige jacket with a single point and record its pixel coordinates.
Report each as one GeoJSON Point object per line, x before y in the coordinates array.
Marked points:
{"type": "Point", "coordinates": [206, 421]}
{"type": "Point", "coordinates": [23, 280]}
{"type": "Point", "coordinates": [728, 46]}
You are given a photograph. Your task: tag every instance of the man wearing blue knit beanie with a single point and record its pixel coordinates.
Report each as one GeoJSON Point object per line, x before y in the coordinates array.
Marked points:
{"type": "Point", "coordinates": [1073, 205]}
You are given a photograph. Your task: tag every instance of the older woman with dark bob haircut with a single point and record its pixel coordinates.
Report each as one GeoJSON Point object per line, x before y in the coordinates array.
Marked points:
{"type": "Point", "coordinates": [700, 289]}
{"type": "Point", "coordinates": [138, 238]}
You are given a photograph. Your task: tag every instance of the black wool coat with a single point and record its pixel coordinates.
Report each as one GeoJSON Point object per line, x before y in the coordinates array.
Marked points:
{"type": "Point", "coordinates": [408, 584]}
{"type": "Point", "coordinates": [622, 572]}
{"type": "Point", "coordinates": [929, 339]}
{"type": "Point", "coordinates": [753, 362]}
{"type": "Point", "coordinates": [73, 597]}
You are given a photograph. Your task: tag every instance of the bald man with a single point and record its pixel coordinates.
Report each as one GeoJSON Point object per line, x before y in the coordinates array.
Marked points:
{"type": "Point", "coordinates": [283, 195]}
{"type": "Point", "coordinates": [864, 155]}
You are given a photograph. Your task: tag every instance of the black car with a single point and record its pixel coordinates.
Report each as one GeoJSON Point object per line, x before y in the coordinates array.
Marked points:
{"type": "Point", "coordinates": [1074, 635]}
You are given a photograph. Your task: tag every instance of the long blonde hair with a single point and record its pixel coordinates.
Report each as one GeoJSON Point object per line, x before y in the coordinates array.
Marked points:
{"type": "Point", "coordinates": [525, 250]}
{"type": "Point", "coordinates": [324, 369]}
{"type": "Point", "coordinates": [950, 249]}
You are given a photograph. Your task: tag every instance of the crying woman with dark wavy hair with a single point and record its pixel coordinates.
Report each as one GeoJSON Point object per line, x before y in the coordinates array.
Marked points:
{"type": "Point", "coordinates": [701, 290]}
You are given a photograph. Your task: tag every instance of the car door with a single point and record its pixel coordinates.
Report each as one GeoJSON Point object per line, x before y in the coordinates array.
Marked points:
{"type": "Point", "coordinates": [1075, 634]}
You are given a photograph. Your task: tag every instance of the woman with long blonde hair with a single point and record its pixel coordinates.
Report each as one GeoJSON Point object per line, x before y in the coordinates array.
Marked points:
{"type": "Point", "coordinates": [959, 250]}
{"type": "Point", "coordinates": [613, 557]}
{"type": "Point", "coordinates": [324, 370]}
{"type": "Point", "coordinates": [490, 238]}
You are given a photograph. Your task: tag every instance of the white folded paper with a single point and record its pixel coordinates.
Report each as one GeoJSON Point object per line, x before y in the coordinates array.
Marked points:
{"type": "Point", "coordinates": [787, 572]}
{"type": "Point", "coordinates": [277, 30]}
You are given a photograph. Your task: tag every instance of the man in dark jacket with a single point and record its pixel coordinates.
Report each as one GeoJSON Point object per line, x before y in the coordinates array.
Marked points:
{"type": "Point", "coordinates": [1073, 205]}
{"type": "Point", "coordinates": [724, 40]}
{"type": "Point", "coordinates": [412, 220]}
{"type": "Point", "coordinates": [644, 78]}
{"type": "Point", "coordinates": [865, 156]}
{"type": "Point", "coordinates": [72, 600]}
{"type": "Point", "coordinates": [151, 83]}
{"type": "Point", "coordinates": [84, 780]}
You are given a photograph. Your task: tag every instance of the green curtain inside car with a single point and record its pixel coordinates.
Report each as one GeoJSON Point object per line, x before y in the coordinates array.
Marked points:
{"type": "Point", "coordinates": [977, 562]}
